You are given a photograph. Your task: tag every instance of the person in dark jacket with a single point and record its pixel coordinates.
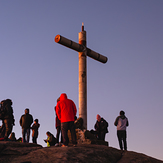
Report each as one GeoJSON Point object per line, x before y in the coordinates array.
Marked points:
{"type": "Point", "coordinates": [66, 112]}
{"type": "Point", "coordinates": [25, 122]}
{"type": "Point", "coordinates": [51, 140]}
{"type": "Point", "coordinates": [2, 127]}
{"type": "Point", "coordinates": [8, 118]}
{"type": "Point", "coordinates": [58, 126]}
{"type": "Point", "coordinates": [101, 127]}
{"type": "Point", "coordinates": [34, 128]}
{"type": "Point", "coordinates": [122, 122]}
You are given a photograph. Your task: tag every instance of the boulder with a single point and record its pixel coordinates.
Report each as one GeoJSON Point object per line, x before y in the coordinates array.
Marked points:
{"type": "Point", "coordinates": [85, 136]}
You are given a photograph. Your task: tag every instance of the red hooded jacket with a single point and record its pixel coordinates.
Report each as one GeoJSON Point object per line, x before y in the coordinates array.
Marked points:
{"type": "Point", "coordinates": [65, 109]}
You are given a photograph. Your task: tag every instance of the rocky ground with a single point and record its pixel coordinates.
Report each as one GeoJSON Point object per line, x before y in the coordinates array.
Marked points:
{"type": "Point", "coordinates": [15, 152]}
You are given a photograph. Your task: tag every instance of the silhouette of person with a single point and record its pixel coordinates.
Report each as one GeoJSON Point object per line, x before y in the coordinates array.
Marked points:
{"type": "Point", "coordinates": [66, 112]}
{"type": "Point", "coordinates": [122, 122]}
{"type": "Point", "coordinates": [25, 122]}
{"type": "Point", "coordinates": [34, 128]}
{"type": "Point", "coordinates": [58, 127]}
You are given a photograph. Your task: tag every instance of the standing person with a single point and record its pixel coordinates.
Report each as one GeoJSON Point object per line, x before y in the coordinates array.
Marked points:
{"type": "Point", "coordinates": [34, 128]}
{"type": "Point", "coordinates": [66, 111]}
{"type": "Point", "coordinates": [2, 112]}
{"type": "Point", "coordinates": [8, 118]}
{"type": "Point", "coordinates": [58, 127]}
{"type": "Point", "coordinates": [122, 122]}
{"type": "Point", "coordinates": [101, 127]}
{"type": "Point", "coordinates": [25, 122]}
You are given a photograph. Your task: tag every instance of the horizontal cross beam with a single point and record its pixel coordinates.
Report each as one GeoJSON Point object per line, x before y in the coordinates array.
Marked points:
{"type": "Point", "coordinates": [80, 48]}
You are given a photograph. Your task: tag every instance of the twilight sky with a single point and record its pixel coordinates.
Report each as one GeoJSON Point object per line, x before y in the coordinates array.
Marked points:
{"type": "Point", "coordinates": [35, 70]}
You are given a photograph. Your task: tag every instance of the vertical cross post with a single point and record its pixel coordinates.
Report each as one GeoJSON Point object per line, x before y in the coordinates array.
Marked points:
{"type": "Point", "coordinates": [83, 78]}
{"type": "Point", "coordinates": [83, 53]}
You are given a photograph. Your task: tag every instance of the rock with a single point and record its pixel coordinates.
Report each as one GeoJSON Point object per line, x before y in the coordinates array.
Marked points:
{"type": "Point", "coordinates": [134, 157]}
{"type": "Point", "coordinates": [15, 152]}
{"type": "Point", "coordinates": [10, 149]}
{"type": "Point", "coordinates": [86, 137]}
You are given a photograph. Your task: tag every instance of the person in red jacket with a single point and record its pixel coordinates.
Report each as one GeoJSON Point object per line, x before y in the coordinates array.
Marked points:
{"type": "Point", "coordinates": [66, 112]}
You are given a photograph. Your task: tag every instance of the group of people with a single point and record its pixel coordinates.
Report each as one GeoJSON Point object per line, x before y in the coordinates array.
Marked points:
{"type": "Point", "coordinates": [8, 121]}
{"type": "Point", "coordinates": [25, 122]}
{"type": "Point", "coordinates": [121, 123]}
{"type": "Point", "coordinates": [65, 116]}
{"type": "Point", "coordinates": [65, 111]}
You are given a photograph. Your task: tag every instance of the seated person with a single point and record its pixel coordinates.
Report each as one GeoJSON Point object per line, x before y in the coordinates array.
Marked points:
{"type": "Point", "coordinates": [101, 127]}
{"type": "Point", "coordinates": [12, 137]}
{"type": "Point", "coordinates": [51, 140]}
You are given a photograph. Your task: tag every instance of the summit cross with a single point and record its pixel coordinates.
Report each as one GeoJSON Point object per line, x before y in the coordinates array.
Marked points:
{"type": "Point", "coordinates": [83, 51]}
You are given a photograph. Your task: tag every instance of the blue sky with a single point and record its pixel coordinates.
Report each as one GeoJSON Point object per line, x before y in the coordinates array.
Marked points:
{"type": "Point", "coordinates": [35, 70]}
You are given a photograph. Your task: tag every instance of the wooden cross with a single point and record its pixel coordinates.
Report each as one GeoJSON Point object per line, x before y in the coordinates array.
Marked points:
{"type": "Point", "coordinates": [83, 53]}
